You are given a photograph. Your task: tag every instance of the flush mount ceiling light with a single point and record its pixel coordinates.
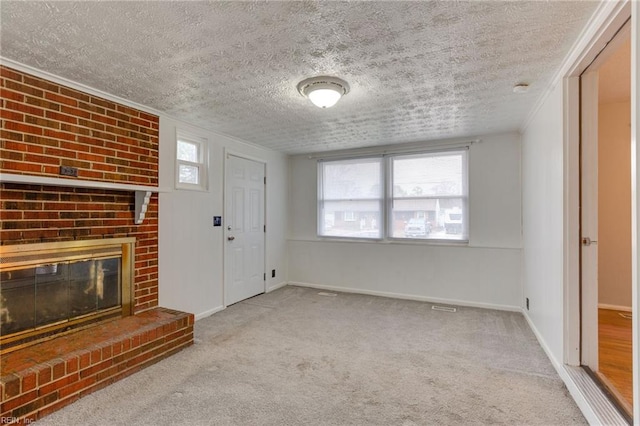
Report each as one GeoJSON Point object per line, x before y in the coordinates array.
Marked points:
{"type": "Point", "coordinates": [323, 91]}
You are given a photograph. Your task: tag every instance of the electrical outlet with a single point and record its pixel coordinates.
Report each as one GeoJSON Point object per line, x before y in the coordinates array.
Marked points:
{"type": "Point", "coordinates": [527, 303]}
{"type": "Point", "coordinates": [273, 273]}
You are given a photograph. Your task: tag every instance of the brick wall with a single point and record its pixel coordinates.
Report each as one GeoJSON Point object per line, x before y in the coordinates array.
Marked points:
{"type": "Point", "coordinates": [45, 126]}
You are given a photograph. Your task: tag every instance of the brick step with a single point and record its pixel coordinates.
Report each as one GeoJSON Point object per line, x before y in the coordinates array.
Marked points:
{"type": "Point", "coordinates": [40, 379]}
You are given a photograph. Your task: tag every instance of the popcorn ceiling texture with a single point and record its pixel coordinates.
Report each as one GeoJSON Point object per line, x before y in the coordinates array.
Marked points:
{"type": "Point", "coordinates": [417, 70]}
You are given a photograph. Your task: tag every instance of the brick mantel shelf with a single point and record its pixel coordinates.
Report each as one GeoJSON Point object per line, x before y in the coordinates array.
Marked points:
{"type": "Point", "coordinates": [143, 193]}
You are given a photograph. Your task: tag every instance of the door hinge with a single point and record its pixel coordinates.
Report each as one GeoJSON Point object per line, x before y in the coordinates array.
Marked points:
{"type": "Point", "coordinates": [265, 228]}
{"type": "Point", "coordinates": [264, 276]}
{"type": "Point", "coordinates": [265, 180]}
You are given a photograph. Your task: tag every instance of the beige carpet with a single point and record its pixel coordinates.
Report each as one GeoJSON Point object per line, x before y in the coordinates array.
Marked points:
{"type": "Point", "coordinates": [294, 357]}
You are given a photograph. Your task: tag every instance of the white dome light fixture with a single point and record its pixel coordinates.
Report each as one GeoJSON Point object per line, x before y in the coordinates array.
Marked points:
{"type": "Point", "coordinates": [323, 91]}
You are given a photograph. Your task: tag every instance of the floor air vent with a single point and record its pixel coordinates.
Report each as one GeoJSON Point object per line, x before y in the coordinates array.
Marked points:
{"type": "Point", "coordinates": [443, 308]}
{"type": "Point", "coordinates": [324, 293]}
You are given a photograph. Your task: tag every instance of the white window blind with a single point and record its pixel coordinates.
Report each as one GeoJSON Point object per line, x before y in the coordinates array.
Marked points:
{"type": "Point", "coordinates": [350, 198]}
{"type": "Point", "coordinates": [429, 196]}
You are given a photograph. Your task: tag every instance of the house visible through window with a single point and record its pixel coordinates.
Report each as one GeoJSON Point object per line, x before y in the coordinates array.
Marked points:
{"type": "Point", "coordinates": [426, 197]}
{"type": "Point", "coordinates": [429, 196]}
{"type": "Point", "coordinates": [349, 216]}
{"type": "Point", "coordinates": [191, 167]}
{"type": "Point", "coordinates": [350, 198]}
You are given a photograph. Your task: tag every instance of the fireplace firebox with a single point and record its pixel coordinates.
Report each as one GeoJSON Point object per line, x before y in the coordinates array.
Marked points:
{"type": "Point", "coordinates": [51, 288]}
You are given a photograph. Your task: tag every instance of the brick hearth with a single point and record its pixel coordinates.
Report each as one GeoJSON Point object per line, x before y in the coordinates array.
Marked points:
{"type": "Point", "coordinates": [40, 379]}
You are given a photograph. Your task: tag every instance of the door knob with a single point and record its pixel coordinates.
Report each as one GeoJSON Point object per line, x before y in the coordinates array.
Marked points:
{"type": "Point", "coordinates": [231, 238]}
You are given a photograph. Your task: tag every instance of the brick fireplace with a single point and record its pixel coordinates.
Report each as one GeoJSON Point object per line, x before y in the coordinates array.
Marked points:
{"type": "Point", "coordinates": [110, 150]}
{"type": "Point", "coordinates": [50, 289]}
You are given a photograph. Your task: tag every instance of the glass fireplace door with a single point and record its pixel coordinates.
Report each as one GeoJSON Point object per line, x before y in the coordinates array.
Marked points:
{"type": "Point", "coordinates": [36, 296]}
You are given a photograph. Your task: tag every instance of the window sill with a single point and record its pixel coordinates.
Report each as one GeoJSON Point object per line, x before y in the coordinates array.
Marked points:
{"type": "Point", "coordinates": [194, 189]}
{"type": "Point", "coordinates": [388, 241]}
{"type": "Point", "coordinates": [438, 243]}
{"type": "Point", "coordinates": [201, 186]}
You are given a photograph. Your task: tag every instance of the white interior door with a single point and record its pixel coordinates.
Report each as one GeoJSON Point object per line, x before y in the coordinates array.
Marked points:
{"type": "Point", "coordinates": [244, 224]}
{"type": "Point", "coordinates": [589, 218]}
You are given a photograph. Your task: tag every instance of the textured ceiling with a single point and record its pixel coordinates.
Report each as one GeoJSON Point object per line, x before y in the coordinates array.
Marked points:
{"type": "Point", "coordinates": [417, 70]}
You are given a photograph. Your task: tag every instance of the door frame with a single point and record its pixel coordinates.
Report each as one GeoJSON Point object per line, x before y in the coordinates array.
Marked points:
{"type": "Point", "coordinates": [610, 17]}
{"type": "Point", "coordinates": [618, 14]}
{"type": "Point", "coordinates": [226, 152]}
{"type": "Point", "coordinates": [635, 211]}
{"type": "Point", "coordinates": [589, 164]}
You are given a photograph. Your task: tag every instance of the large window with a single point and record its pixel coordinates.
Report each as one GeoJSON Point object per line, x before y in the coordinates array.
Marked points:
{"type": "Point", "coordinates": [426, 197]}
{"type": "Point", "coordinates": [191, 165]}
{"type": "Point", "coordinates": [350, 198]}
{"type": "Point", "coordinates": [429, 196]}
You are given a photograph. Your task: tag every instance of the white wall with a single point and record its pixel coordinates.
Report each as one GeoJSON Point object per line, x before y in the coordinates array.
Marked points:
{"type": "Point", "coordinates": [487, 272]}
{"type": "Point", "coordinates": [191, 250]}
{"type": "Point", "coordinates": [542, 212]}
{"type": "Point", "coordinates": [550, 193]}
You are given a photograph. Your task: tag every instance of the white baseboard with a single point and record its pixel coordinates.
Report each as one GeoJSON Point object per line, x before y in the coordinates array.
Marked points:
{"type": "Point", "coordinates": [409, 297]}
{"type": "Point", "coordinates": [208, 313]}
{"type": "Point", "coordinates": [614, 307]}
{"type": "Point", "coordinates": [583, 390]}
{"type": "Point", "coordinates": [276, 286]}
{"type": "Point", "coordinates": [578, 397]}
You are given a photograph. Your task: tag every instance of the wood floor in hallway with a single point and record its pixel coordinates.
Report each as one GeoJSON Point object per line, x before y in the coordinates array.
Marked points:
{"type": "Point", "coordinates": [614, 353]}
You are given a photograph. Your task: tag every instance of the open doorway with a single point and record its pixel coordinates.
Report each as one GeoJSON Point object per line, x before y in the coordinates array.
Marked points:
{"type": "Point", "coordinates": [606, 258]}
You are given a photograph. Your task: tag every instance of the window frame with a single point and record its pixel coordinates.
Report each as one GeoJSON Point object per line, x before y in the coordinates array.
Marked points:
{"type": "Point", "coordinates": [380, 201]}
{"type": "Point", "coordinates": [202, 164]}
{"type": "Point", "coordinates": [386, 213]}
{"type": "Point", "coordinates": [464, 196]}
